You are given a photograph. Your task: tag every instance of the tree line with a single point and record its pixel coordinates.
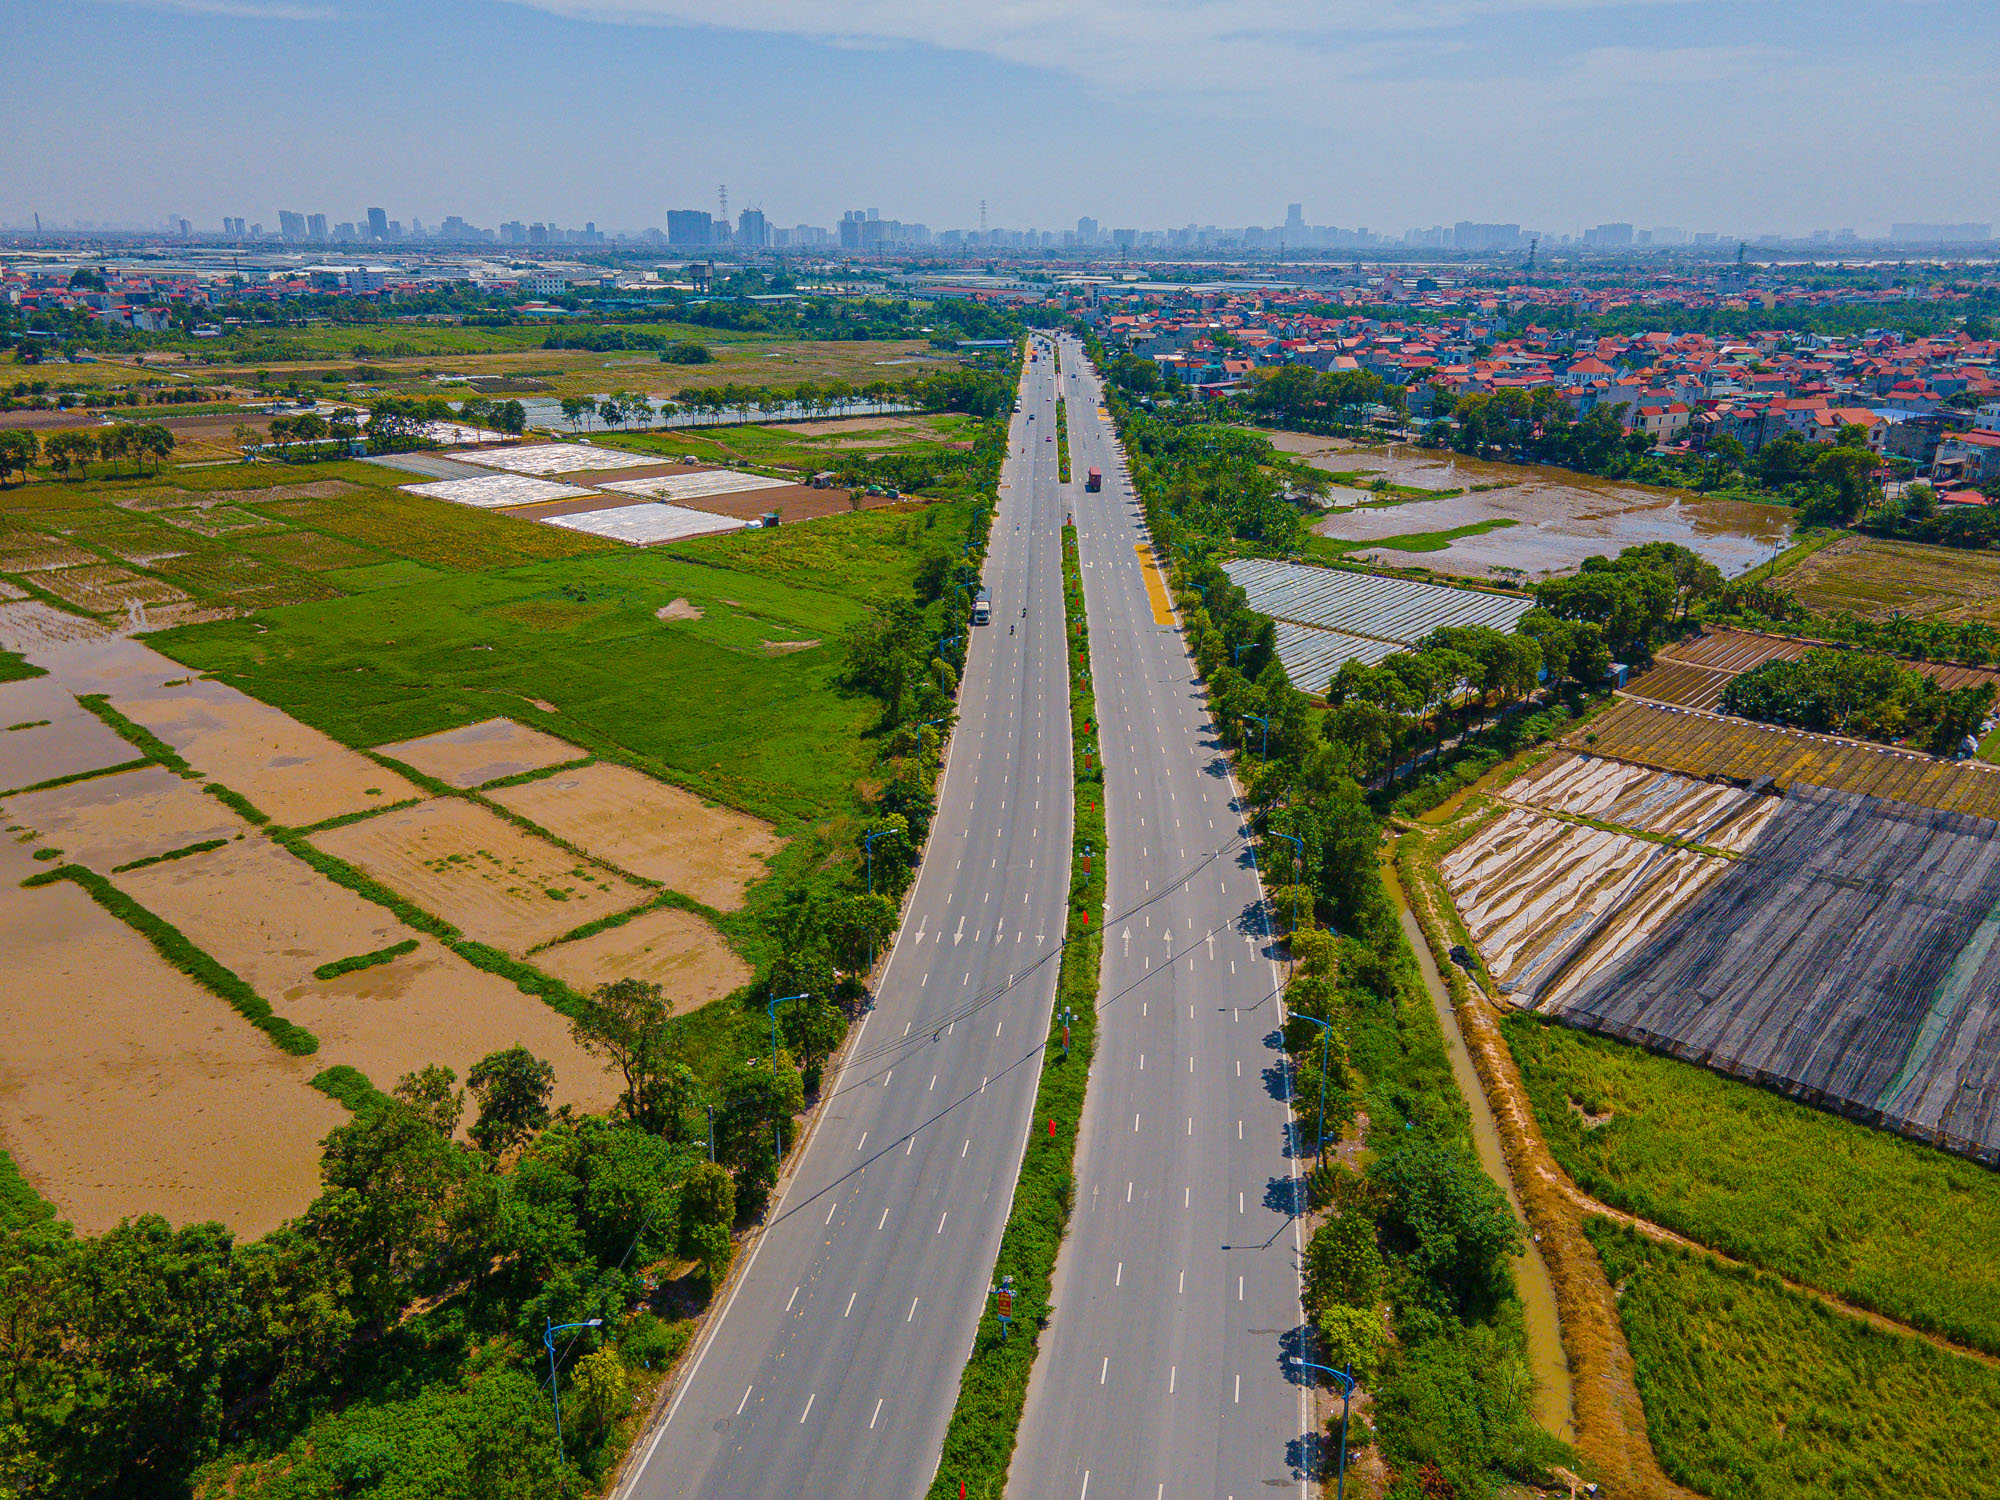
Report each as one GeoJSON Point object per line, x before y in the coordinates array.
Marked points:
{"type": "Point", "coordinates": [72, 450]}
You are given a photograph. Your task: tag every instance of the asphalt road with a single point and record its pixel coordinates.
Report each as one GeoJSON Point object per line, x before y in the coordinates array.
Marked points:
{"type": "Point", "coordinates": [1163, 1373]}
{"type": "Point", "coordinates": [833, 1366]}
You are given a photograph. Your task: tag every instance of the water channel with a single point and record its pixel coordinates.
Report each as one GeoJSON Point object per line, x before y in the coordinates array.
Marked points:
{"type": "Point", "coordinates": [1554, 1409]}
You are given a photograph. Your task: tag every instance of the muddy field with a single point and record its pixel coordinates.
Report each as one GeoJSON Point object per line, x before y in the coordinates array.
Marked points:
{"type": "Point", "coordinates": [1877, 579]}
{"type": "Point", "coordinates": [651, 829]}
{"type": "Point", "coordinates": [272, 919]}
{"type": "Point", "coordinates": [482, 752]}
{"type": "Point", "coordinates": [296, 775]}
{"type": "Point", "coordinates": [125, 1088]}
{"type": "Point", "coordinates": [1551, 518]}
{"type": "Point", "coordinates": [674, 949]}
{"type": "Point", "coordinates": [494, 881]}
{"type": "Point", "coordinates": [43, 735]}
{"type": "Point", "coordinates": [110, 821]}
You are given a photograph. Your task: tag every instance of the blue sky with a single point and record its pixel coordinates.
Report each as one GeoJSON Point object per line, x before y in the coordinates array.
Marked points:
{"type": "Point", "coordinates": [1745, 116]}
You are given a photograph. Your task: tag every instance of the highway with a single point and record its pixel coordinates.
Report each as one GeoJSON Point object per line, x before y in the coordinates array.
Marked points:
{"type": "Point", "coordinates": [1163, 1374]}
{"type": "Point", "coordinates": [834, 1363]}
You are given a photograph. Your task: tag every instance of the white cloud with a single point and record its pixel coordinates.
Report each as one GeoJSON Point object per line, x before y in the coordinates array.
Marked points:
{"type": "Point", "coordinates": [1216, 46]}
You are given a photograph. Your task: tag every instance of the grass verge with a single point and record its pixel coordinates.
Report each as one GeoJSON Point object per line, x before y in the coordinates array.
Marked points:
{"type": "Point", "coordinates": [349, 1086]}
{"type": "Point", "coordinates": [979, 1443]}
{"type": "Point", "coordinates": [175, 948]}
{"type": "Point", "coordinates": [172, 854]}
{"type": "Point", "coordinates": [342, 966]}
{"type": "Point", "coordinates": [76, 776]}
{"type": "Point", "coordinates": [1756, 1392]}
{"type": "Point", "coordinates": [138, 736]}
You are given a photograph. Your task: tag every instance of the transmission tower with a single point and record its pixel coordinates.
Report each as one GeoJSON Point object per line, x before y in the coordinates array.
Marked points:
{"type": "Point", "coordinates": [722, 197]}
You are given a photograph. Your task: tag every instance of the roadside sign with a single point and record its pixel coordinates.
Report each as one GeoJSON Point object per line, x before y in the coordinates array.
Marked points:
{"type": "Point", "coordinates": [1005, 1303]}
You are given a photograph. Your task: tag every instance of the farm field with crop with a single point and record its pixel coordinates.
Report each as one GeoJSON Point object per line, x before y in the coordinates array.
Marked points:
{"type": "Point", "coordinates": [1876, 579]}
{"type": "Point", "coordinates": [1756, 1392]}
{"type": "Point", "coordinates": [1878, 1220]}
{"type": "Point", "coordinates": [1694, 672]}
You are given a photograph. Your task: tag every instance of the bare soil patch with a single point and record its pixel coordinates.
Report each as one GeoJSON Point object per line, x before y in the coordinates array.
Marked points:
{"type": "Point", "coordinates": [318, 489]}
{"type": "Point", "coordinates": [215, 520]}
{"type": "Point", "coordinates": [273, 919]}
{"type": "Point", "coordinates": [31, 552]}
{"type": "Point", "coordinates": [495, 882]}
{"type": "Point", "coordinates": [125, 1088]}
{"type": "Point", "coordinates": [113, 820]}
{"type": "Point", "coordinates": [679, 609]}
{"type": "Point", "coordinates": [797, 502]}
{"type": "Point", "coordinates": [1876, 579]}
{"type": "Point", "coordinates": [482, 752]}
{"type": "Point", "coordinates": [65, 741]}
{"type": "Point", "coordinates": [651, 829]}
{"type": "Point", "coordinates": [674, 949]}
{"type": "Point", "coordinates": [296, 775]}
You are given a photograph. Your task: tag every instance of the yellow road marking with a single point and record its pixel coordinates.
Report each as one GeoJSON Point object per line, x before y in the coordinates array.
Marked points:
{"type": "Point", "coordinates": [1156, 586]}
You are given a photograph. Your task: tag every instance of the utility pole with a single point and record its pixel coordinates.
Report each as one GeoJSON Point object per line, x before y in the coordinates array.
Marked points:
{"type": "Point", "coordinates": [722, 197]}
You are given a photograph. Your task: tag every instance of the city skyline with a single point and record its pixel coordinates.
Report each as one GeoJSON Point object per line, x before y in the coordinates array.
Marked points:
{"type": "Point", "coordinates": [1565, 114]}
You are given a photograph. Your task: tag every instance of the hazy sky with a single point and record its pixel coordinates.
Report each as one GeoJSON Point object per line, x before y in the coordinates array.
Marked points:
{"type": "Point", "coordinates": [1740, 116]}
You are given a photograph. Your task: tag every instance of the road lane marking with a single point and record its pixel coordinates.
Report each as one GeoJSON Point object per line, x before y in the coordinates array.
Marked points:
{"type": "Point", "coordinates": [913, 1312]}
{"type": "Point", "coordinates": [1128, 1192]}
{"type": "Point", "coordinates": [745, 1401]}
{"type": "Point", "coordinates": [1239, 1289]}
{"type": "Point", "coordinates": [850, 1302]}
{"type": "Point", "coordinates": [1239, 1390]}
{"type": "Point", "coordinates": [829, 1212]}
{"type": "Point", "coordinates": [1173, 1375]}
{"type": "Point", "coordinates": [1181, 1289]}
{"type": "Point", "coordinates": [878, 1412]}
{"type": "Point", "coordinates": [809, 1406]}
{"type": "Point", "coordinates": [791, 1299]}
{"type": "Point", "coordinates": [1105, 1371]}
{"type": "Point", "coordinates": [885, 1212]}
{"type": "Point", "coordinates": [965, 1148]}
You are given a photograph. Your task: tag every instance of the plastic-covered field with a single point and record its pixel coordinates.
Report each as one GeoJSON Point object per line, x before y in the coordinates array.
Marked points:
{"type": "Point", "coordinates": [1706, 744]}
{"type": "Point", "coordinates": [1611, 791]}
{"type": "Point", "coordinates": [1693, 673]}
{"type": "Point", "coordinates": [643, 524]}
{"type": "Point", "coordinates": [1849, 959]}
{"type": "Point", "coordinates": [555, 458]}
{"type": "Point", "coordinates": [496, 491]}
{"type": "Point", "coordinates": [698, 483]}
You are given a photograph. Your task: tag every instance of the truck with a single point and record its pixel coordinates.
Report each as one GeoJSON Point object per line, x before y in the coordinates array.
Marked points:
{"type": "Point", "coordinates": [982, 607]}
{"type": "Point", "coordinates": [1094, 480]}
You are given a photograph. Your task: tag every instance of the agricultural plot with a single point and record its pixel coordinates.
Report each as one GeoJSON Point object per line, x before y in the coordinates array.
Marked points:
{"type": "Point", "coordinates": [110, 821]}
{"type": "Point", "coordinates": [126, 1088]}
{"type": "Point", "coordinates": [1848, 960]}
{"type": "Point", "coordinates": [654, 830]}
{"type": "Point", "coordinates": [1336, 612]}
{"type": "Point", "coordinates": [554, 458]}
{"type": "Point", "coordinates": [1705, 744]}
{"type": "Point", "coordinates": [497, 491]}
{"type": "Point", "coordinates": [702, 482]}
{"type": "Point", "coordinates": [1609, 791]}
{"type": "Point", "coordinates": [1876, 579]}
{"type": "Point", "coordinates": [674, 949]}
{"type": "Point", "coordinates": [492, 880]}
{"type": "Point", "coordinates": [1548, 902]}
{"type": "Point", "coordinates": [272, 919]}
{"type": "Point", "coordinates": [1693, 673]}
{"type": "Point", "coordinates": [44, 735]}
{"type": "Point", "coordinates": [482, 752]}
{"type": "Point", "coordinates": [294, 774]}
{"type": "Point", "coordinates": [642, 525]}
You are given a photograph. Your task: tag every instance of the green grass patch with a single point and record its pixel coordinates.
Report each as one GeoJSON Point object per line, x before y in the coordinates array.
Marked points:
{"type": "Point", "coordinates": [1878, 1220]}
{"type": "Point", "coordinates": [1756, 1392]}
{"type": "Point", "coordinates": [1414, 541]}
{"type": "Point", "coordinates": [526, 978]}
{"type": "Point", "coordinates": [349, 1086]}
{"type": "Point", "coordinates": [387, 955]}
{"type": "Point", "coordinates": [360, 816]}
{"type": "Point", "coordinates": [190, 960]}
{"type": "Point", "coordinates": [542, 773]}
{"type": "Point", "coordinates": [76, 776]}
{"type": "Point", "coordinates": [237, 803]}
{"type": "Point", "coordinates": [985, 1423]}
{"type": "Point", "coordinates": [17, 668]}
{"type": "Point", "coordinates": [137, 736]}
{"type": "Point", "coordinates": [172, 854]}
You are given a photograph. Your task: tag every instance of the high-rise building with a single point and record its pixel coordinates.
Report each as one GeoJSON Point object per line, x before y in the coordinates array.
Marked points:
{"type": "Point", "coordinates": [752, 231]}
{"type": "Point", "coordinates": [1086, 231]}
{"type": "Point", "coordinates": [290, 225]}
{"type": "Point", "coordinates": [1610, 237]}
{"type": "Point", "coordinates": [690, 227]}
{"type": "Point", "coordinates": [1295, 221]}
{"type": "Point", "coordinates": [378, 224]}
{"type": "Point", "coordinates": [316, 226]}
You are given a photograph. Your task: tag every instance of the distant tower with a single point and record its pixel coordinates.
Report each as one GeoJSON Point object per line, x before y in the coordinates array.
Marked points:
{"type": "Point", "coordinates": [722, 197]}
{"type": "Point", "coordinates": [1533, 245]}
{"type": "Point", "coordinates": [982, 216]}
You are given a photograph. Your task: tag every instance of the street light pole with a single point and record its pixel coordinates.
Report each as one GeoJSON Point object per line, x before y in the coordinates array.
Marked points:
{"type": "Point", "coordinates": [1346, 1379]}
{"type": "Point", "coordinates": [777, 1130]}
{"type": "Point", "coordinates": [549, 1340]}
{"type": "Point", "coordinates": [1266, 751]}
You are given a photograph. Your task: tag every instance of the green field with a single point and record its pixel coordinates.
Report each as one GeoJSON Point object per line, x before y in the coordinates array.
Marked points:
{"type": "Point", "coordinates": [1755, 1392]}
{"type": "Point", "coordinates": [1875, 1219]}
{"type": "Point", "coordinates": [785, 446]}
{"type": "Point", "coordinates": [705, 699]}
